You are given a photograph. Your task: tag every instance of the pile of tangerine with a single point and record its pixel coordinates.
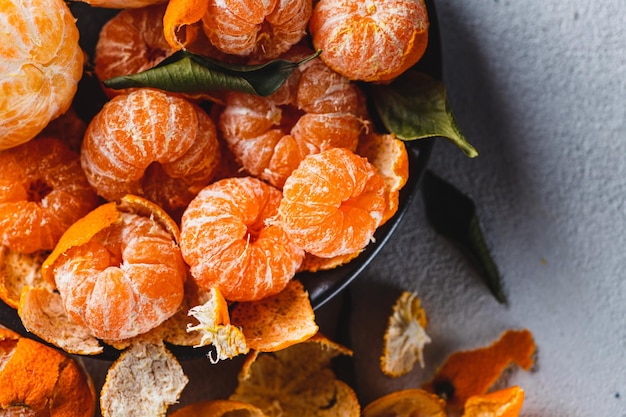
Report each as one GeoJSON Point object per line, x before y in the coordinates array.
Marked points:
{"type": "Point", "coordinates": [161, 197]}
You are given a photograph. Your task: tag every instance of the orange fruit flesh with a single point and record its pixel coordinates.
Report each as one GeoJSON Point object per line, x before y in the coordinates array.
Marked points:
{"type": "Point", "coordinates": [40, 66]}
{"type": "Point", "coordinates": [370, 41]}
{"type": "Point", "coordinates": [333, 202]}
{"type": "Point", "coordinates": [225, 241]}
{"type": "Point", "coordinates": [42, 192]}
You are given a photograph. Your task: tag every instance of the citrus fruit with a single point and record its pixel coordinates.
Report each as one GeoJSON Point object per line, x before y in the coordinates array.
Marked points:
{"type": "Point", "coordinates": [144, 381]}
{"type": "Point", "coordinates": [374, 40]}
{"type": "Point", "coordinates": [389, 155]}
{"type": "Point", "coordinates": [256, 28]}
{"type": "Point", "coordinates": [215, 328]}
{"type": "Point", "coordinates": [315, 110]}
{"type": "Point", "coordinates": [405, 336]}
{"type": "Point", "coordinates": [130, 42]}
{"type": "Point", "coordinates": [41, 64]}
{"type": "Point", "coordinates": [150, 144]}
{"type": "Point", "coordinates": [42, 192]}
{"type": "Point", "coordinates": [297, 381]}
{"type": "Point", "coordinates": [119, 270]}
{"type": "Point", "coordinates": [404, 403]}
{"type": "Point", "coordinates": [218, 408]}
{"type": "Point", "coordinates": [37, 380]}
{"type": "Point", "coordinates": [468, 373]}
{"type": "Point", "coordinates": [332, 203]}
{"type": "Point", "coordinates": [278, 321]}
{"type": "Point", "coordinates": [506, 402]}
{"type": "Point", "coordinates": [227, 244]}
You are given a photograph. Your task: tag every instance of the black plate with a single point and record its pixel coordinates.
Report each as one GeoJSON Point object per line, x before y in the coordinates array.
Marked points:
{"type": "Point", "coordinates": [322, 286]}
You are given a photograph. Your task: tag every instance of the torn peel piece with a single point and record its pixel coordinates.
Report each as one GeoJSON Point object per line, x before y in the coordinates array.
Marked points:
{"type": "Point", "coordinates": [215, 328]}
{"type": "Point", "coordinates": [179, 18]}
{"type": "Point", "coordinates": [278, 321]}
{"type": "Point", "coordinates": [144, 381]}
{"type": "Point", "coordinates": [281, 383]}
{"type": "Point", "coordinates": [468, 373]}
{"type": "Point", "coordinates": [38, 380]}
{"type": "Point", "coordinates": [506, 402]}
{"type": "Point", "coordinates": [405, 337]}
{"type": "Point", "coordinates": [409, 402]}
{"type": "Point", "coordinates": [42, 314]}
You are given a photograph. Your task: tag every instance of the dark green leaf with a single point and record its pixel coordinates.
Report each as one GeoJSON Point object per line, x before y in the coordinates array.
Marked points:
{"type": "Point", "coordinates": [453, 214]}
{"type": "Point", "coordinates": [414, 106]}
{"type": "Point", "coordinates": [185, 72]}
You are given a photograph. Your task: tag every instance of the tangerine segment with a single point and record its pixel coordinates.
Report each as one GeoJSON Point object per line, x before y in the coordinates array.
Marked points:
{"type": "Point", "coordinates": [122, 4]}
{"type": "Point", "coordinates": [41, 64]}
{"type": "Point", "coordinates": [135, 132]}
{"type": "Point", "coordinates": [333, 203]}
{"type": "Point", "coordinates": [123, 280]}
{"type": "Point", "coordinates": [227, 244]}
{"type": "Point", "coordinates": [131, 42]}
{"type": "Point", "coordinates": [373, 40]}
{"type": "Point", "coordinates": [42, 192]}
{"type": "Point", "coordinates": [256, 28]}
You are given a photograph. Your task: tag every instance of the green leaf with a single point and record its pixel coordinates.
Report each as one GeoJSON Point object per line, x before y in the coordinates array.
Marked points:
{"type": "Point", "coordinates": [414, 106]}
{"type": "Point", "coordinates": [185, 72]}
{"type": "Point", "coordinates": [453, 214]}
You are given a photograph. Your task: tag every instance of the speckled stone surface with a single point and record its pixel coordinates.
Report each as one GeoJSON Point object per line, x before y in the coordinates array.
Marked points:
{"type": "Point", "coordinates": [539, 87]}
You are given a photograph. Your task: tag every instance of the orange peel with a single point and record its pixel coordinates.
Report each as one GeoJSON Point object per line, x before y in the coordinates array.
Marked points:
{"type": "Point", "coordinates": [409, 402]}
{"type": "Point", "coordinates": [276, 322]}
{"type": "Point", "coordinates": [506, 402]}
{"type": "Point", "coordinates": [468, 373]}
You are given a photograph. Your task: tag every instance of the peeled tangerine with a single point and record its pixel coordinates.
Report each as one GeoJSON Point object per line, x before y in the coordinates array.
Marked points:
{"type": "Point", "coordinates": [226, 241]}
{"type": "Point", "coordinates": [371, 40]}
{"type": "Point", "coordinates": [40, 66]}
{"type": "Point", "coordinates": [119, 269]}
{"type": "Point", "coordinates": [332, 203]}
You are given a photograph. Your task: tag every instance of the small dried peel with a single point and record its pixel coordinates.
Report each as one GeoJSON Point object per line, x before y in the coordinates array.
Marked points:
{"type": "Point", "coordinates": [215, 328]}
{"type": "Point", "coordinates": [468, 373]}
{"type": "Point", "coordinates": [409, 402]}
{"type": "Point", "coordinates": [506, 402]}
{"type": "Point", "coordinates": [405, 336]}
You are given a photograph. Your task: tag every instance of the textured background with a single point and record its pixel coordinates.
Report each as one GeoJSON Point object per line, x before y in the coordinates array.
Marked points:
{"type": "Point", "coordinates": [539, 87]}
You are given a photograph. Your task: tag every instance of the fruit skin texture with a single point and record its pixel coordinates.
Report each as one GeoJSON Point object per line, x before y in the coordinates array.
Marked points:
{"type": "Point", "coordinates": [40, 66]}
{"type": "Point", "coordinates": [371, 40]}
{"type": "Point", "coordinates": [37, 380]}
{"type": "Point", "coordinates": [227, 244]}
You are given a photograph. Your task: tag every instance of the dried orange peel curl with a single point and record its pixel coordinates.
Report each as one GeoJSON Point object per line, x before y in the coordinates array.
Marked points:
{"type": "Point", "coordinates": [119, 269]}
{"type": "Point", "coordinates": [469, 373]}
{"type": "Point", "coordinates": [38, 380]}
{"type": "Point", "coordinates": [506, 402]}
